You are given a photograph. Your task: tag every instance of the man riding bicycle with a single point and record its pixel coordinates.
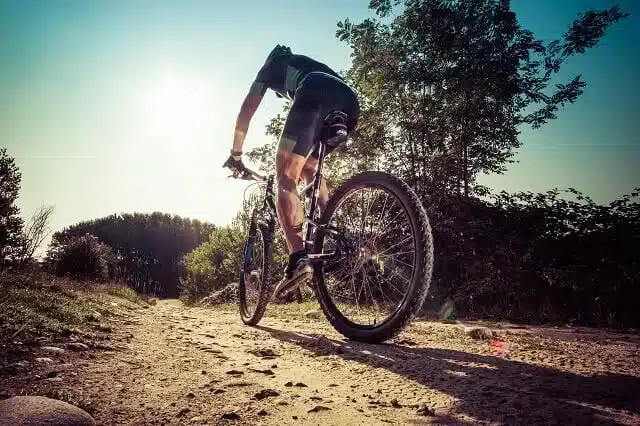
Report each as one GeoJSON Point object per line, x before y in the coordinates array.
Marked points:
{"type": "Point", "coordinates": [315, 90]}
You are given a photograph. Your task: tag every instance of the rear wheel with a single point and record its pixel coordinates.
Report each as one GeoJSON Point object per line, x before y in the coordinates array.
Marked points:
{"type": "Point", "coordinates": [254, 289]}
{"type": "Point", "coordinates": [381, 273]}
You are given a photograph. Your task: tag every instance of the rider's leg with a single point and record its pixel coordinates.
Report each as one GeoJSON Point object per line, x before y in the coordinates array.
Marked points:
{"type": "Point", "coordinates": [289, 208]}
{"type": "Point", "coordinates": [296, 143]}
{"type": "Point", "coordinates": [308, 172]}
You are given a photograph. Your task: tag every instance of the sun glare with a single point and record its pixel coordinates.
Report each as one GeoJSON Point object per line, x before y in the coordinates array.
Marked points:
{"type": "Point", "coordinates": [173, 107]}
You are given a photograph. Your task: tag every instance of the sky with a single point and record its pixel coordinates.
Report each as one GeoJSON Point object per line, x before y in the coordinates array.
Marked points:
{"type": "Point", "coordinates": [112, 106]}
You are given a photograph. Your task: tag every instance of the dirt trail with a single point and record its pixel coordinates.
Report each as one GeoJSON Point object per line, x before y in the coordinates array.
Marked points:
{"type": "Point", "coordinates": [194, 365]}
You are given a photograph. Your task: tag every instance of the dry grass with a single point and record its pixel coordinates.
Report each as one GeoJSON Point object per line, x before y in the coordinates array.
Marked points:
{"type": "Point", "coordinates": [38, 305]}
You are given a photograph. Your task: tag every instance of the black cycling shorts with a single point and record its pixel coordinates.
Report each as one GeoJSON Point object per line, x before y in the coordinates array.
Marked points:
{"type": "Point", "coordinates": [317, 95]}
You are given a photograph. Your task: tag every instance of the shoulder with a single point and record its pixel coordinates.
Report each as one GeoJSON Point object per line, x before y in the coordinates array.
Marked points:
{"type": "Point", "coordinates": [271, 68]}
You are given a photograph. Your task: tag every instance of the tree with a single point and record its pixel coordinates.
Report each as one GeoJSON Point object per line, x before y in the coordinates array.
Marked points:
{"type": "Point", "coordinates": [35, 232]}
{"type": "Point", "coordinates": [449, 83]}
{"type": "Point", "coordinates": [82, 258]}
{"type": "Point", "coordinates": [11, 241]}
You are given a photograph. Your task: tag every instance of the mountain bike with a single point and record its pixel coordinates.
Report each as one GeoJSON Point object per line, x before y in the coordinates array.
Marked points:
{"type": "Point", "coordinates": [356, 273]}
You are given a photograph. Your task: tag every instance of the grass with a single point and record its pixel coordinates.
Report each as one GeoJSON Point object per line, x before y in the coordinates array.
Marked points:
{"type": "Point", "coordinates": [37, 305]}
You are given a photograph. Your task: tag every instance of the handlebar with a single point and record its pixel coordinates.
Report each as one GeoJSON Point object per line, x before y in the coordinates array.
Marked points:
{"type": "Point", "coordinates": [247, 174]}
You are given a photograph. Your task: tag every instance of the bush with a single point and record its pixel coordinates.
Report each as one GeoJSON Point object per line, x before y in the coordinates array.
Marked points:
{"type": "Point", "coordinates": [82, 258]}
{"type": "Point", "coordinates": [213, 264]}
{"type": "Point", "coordinates": [537, 258]}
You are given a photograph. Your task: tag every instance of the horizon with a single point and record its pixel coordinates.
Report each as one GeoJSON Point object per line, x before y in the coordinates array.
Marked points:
{"type": "Point", "coordinates": [114, 107]}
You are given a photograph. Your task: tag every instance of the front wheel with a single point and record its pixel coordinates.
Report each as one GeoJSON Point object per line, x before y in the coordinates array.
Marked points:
{"type": "Point", "coordinates": [379, 275]}
{"type": "Point", "coordinates": [254, 290]}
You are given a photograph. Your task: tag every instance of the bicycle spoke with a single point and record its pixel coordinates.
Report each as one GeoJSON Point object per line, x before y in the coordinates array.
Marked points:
{"type": "Point", "coordinates": [380, 226]}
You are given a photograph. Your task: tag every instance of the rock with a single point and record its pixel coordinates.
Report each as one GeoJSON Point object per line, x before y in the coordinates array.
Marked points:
{"type": "Point", "coordinates": [313, 314]}
{"type": "Point", "coordinates": [183, 412]}
{"type": "Point", "coordinates": [301, 385]}
{"type": "Point", "coordinates": [235, 372]}
{"type": "Point", "coordinates": [52, 349]}
{"type": "Point", "coordinates": [191, 395]}
{"type": "Point", "coordinates": [318, 408]}
{"type": "Point", "coordinates": [216, 391]}
{"type": "Point", "coordinates": [54, 379]}
{"type": "Point", "coordinates": [266, 393]}
{"type": "Point", "coordinates": [231, 415]}
{"type": "Point", "coordinates": [38, 410]}
{"type": "Point", "coordinates": [479, 333]}
{"type": "Point", "coordinates": [395, 403]}
{"type": "Point", "coordinates": [425, 410]}
{"type": "Point", "coordinates": [43, 360]}
{"type": "Point", "coordinates": [263, 353]}
{"type": "Point", "coordinates": [78, 347]}
{"type": "Point", "coordinates": [266, 371]}
{"type": "Point", "coordinates": [280, 401]}
{"type": "Point", "coordinates": [239, 383]}
{"type": "Point", "coordinates": [288, 384]}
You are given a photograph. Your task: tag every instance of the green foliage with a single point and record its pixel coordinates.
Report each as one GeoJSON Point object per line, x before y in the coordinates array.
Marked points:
{"type": "Point", "coordinates": [445, 85]}
{"type": "Point", "coordinates": [11, 241]}
{"type": "Point", "coordinates": [538, 257]}
{"type": "Point", "coordinates": [147, 247]}
{"type": "Point", "coordinates": [213, 265]}
{"type": "Point", "coordinates": [83, 258]}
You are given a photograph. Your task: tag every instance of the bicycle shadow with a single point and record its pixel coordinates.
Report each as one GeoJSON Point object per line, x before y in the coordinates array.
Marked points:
{"type": "Point", "coordinates": [489, 388]}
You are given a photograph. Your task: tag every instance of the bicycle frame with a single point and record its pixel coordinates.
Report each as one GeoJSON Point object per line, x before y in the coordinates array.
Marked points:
{"type": "Point", "coordinates": [269, 207]}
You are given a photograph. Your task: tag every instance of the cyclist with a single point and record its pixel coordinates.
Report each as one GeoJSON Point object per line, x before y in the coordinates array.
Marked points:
{"type": "Point", "coordinates": [315, 90]}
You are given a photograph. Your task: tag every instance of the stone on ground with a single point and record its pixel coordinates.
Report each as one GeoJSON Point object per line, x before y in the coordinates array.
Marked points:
{"type": "Point", "coordinates": [39, 410]}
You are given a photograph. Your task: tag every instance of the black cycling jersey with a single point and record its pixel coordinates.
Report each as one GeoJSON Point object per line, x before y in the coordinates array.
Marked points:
{"type": "Point", "coordinates": [283, 74]}
{"type": "Point", "coordinates": [315, 90]}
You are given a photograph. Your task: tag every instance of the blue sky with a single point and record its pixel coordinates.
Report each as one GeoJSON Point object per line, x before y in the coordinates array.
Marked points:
{"type": "Point", "coordinates": [120, 106]}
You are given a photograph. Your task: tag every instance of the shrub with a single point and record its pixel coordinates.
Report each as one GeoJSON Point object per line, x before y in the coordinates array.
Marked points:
{"type": "Point", "coordinates": [213, 264]}
{"type": "Point", "coordinates": [82, 258]}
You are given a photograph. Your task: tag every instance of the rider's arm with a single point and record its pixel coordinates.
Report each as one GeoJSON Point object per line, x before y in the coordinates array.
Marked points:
{"type": "Point", "coordinates": [249, 107]}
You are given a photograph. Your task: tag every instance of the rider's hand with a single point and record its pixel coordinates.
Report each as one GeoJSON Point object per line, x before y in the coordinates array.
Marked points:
{"type": "Point", "coordinates": [236, 166]}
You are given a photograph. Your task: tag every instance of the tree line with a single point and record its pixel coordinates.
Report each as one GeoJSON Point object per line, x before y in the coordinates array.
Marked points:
{"type": "Point", "coordinates": [144, 250]}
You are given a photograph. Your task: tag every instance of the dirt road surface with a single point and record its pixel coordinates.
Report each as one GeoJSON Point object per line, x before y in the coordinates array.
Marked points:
{"type": "Point", "coordinates": [181, 365]}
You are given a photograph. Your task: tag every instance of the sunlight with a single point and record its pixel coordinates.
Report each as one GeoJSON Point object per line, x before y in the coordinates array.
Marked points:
{"type": "Point", "coordinates": [173, 107]}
